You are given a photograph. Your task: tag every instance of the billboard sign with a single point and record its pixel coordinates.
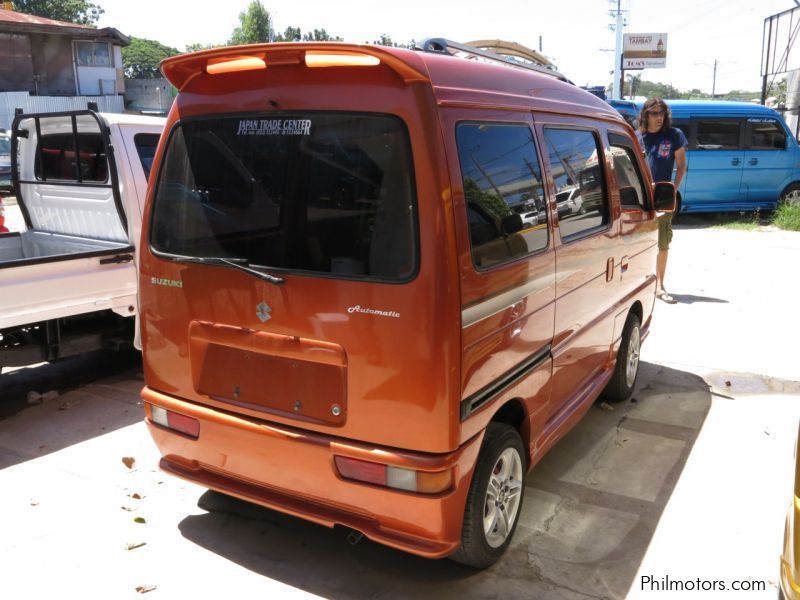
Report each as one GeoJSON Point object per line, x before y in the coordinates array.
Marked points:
{"type": "Point", "coordinates": [644, 51]}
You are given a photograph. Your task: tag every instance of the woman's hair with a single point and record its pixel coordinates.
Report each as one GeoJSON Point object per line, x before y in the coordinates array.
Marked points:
{"type": "Point", "coordinates": [655, 102]}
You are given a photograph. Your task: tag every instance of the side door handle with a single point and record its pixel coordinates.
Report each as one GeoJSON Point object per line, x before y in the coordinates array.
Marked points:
{"type": "Point", "coordinates": [735, 161]}
{"type": "Point", "coordinates": [118, 259]}
{"type": "Point", "coordinates": [610, 269]}
{"type": "Point", "coordinates": [753, 161]}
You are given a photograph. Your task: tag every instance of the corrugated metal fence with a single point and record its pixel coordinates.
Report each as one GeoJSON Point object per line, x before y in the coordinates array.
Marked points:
{"type": "Point", "coordinates": [30, 104]}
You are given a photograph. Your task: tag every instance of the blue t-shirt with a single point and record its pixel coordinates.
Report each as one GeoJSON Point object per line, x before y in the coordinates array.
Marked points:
{"type": "Point", "coordinates": [659, 149]}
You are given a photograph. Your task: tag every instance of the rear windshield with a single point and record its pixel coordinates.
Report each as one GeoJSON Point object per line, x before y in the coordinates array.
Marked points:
{"type": "Point", "coordinates": [328, 193]}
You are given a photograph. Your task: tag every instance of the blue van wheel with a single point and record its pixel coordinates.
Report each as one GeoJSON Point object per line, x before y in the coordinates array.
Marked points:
{"type": "Point", "coordinates": [791, 195]}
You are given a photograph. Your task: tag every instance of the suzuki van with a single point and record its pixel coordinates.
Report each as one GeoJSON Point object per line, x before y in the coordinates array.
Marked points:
{"type": "Point", "coordinates": [344, 316]}
{"type": "Point", "coordinates": [740, 157]}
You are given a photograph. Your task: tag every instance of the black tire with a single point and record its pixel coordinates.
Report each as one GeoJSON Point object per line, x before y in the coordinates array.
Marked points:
{"type": "Point", "coordinates": [791, 195]}
{"type": "Point", "coordinates": [622, 382]}
{"type": "Point", "coordinates": [477, 549]}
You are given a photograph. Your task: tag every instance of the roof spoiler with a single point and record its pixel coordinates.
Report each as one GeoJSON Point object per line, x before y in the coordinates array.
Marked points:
{"type": "Point", "coordinates": [514, 55]}
{"type": "Point", "coordinates": [180, 70]}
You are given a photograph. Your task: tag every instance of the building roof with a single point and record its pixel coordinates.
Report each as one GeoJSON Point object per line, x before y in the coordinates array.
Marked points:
{"type": "Point", "coordinates": [16, 22]}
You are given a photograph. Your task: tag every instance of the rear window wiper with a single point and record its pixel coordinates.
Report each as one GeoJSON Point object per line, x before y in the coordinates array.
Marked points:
{"type": "Point", "coordinates": [237, 263]}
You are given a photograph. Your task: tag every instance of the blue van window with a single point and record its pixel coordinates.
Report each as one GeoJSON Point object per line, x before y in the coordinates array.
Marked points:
{"type": "Point", "coordinates": [765, 134]}
{"type": "Point", "coordinates": [715, 134]}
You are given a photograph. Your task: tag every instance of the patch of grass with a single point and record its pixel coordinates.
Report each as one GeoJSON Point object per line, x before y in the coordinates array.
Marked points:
{"type": "Point", "coordinates": [788, 217]}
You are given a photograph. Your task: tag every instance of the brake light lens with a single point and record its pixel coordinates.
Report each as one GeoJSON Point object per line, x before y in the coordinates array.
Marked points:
{"type": "Point", "coordinates": [410, 480]}
{"type": "Point", "coordinates": [233, 64]}
{"type": "Point", "coordinates": [340, 59]}
{"type": "Point", "coordinates": [175, 421]}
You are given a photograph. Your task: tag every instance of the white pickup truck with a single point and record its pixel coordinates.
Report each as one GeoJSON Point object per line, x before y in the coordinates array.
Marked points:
{"type": "Point", "coordinates": [68, 284]}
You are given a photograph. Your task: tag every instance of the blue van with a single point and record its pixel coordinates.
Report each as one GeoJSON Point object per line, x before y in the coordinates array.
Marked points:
{"type": "Point", "coordinates": [628, 109]}
{"type": "Point", "coordinates": [741, 156]}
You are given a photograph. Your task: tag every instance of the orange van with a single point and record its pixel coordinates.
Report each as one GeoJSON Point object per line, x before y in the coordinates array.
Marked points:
{"type": "Point", "coordinates": [345, 317]}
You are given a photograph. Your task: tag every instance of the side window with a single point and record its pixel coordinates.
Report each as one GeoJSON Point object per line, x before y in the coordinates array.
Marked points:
{"type": "Point", "coordinates": [765, 134]}
{"type": "Point", "coordinates": [506, 211]}
{"type": "Point", "coordinates": [714, 134]}
{"type": "Point", "coordinates": [630, 182]}
{"type": "Point", "coordinates": [577, 170]}
{"type": "Point", "coordinates": [146, 148]}
{"type": "Point", "coordinates": [93, 54]}
{"type": "Point", "coordinates": [686, 127]}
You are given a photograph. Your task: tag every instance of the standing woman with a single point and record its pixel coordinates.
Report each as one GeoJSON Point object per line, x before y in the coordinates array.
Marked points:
{"type": "Point", "coordinates": [664, 147]}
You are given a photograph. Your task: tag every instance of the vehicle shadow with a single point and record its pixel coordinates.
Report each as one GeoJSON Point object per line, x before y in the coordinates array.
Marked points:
{"type": "Point", "coordinates": [591, 508]}
{"type": "Point", "coordinates": [691, 299]}
{"type": "Point", "coordinates": [97, 392]}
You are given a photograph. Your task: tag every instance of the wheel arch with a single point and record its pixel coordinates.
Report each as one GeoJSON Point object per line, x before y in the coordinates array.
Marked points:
{"type": "Point", "coordinates": [514, 414]}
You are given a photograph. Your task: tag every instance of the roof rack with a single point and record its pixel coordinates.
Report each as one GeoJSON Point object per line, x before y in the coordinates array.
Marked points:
{"type": "Point", "coordinates": [451, 48]}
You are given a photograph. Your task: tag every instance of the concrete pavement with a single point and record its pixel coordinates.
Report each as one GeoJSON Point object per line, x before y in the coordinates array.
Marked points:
{"type": "Point", "coordinates": [690, 481]}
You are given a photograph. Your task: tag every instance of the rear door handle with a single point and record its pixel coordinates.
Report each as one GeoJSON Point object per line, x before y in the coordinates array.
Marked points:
{"type": "Point", "coordinates": [735, 161]}
{"type": "Point", "coordinates": [610, 269]}
{"type": "Point", "coordinates": [753, 161]}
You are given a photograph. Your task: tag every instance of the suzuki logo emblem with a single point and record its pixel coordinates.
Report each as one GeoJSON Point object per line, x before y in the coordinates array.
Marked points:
{"type": "Point", "coordinates": [263, 312]}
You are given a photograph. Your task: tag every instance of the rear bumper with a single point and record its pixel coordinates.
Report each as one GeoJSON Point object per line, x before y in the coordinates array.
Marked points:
{"type": "Point", "coordinates": [292, 471]}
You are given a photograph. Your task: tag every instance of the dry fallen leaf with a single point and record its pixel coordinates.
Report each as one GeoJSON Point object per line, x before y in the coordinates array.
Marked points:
{"type": "Point", "coordinates": [143, 589]}
{"type": "Point", "coordinates": [134, 545]}
{"type": "Point", "coordinates": [126, 508]}
{"type": "Point", "coordinates": [128, 461]}
{"type": "Point", "coordinates": [139, 520]}
{"type": "Point", "coordinates": [728, 383]}
{"type": "Point", "coordinates": [68, 404]}
{"type": "Point", "coordinates": [606, 406]}
{"type": "Point", "coordinates": [34, 503]}
{"type": "Point", "coordinates": [136, 496]}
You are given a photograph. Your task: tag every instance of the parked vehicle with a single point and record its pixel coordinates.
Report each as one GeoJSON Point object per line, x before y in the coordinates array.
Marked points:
{"type": "Point", "coordinates": [395, 364]}
{"type": "Point", "coordinates": [741, 157]}
{"type": "Point", "coordinates": [68, 283]}
{"type": "Point", "coordinates": [790, 558]}
{"type": "Point", "coordinates": [5, 163]}
{"type": "Point", "coordinates": [628, 109]}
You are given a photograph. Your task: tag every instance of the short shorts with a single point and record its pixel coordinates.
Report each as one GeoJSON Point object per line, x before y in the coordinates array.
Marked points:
{"type": "Point", "coordinates": [664, 231]}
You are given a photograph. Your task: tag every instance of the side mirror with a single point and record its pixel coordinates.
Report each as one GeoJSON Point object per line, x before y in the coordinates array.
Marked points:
{"type": "Point", "coordinates": [664, 196]}
{"type": "Point", "coordinates": [511, 224]}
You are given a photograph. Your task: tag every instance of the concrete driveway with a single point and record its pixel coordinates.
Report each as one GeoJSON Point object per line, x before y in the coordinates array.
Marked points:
{"type": "Point", "coordinates": [690, 481]}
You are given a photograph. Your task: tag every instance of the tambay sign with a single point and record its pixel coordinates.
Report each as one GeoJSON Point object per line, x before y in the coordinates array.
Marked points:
{"type": "Point", "coordinates": [644, 51]}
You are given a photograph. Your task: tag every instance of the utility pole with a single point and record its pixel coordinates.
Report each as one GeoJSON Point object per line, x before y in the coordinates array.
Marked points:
{"type": "Point", "coordinates": [618, 83]}
{"type": "Point", "coordinates": [714, 80]}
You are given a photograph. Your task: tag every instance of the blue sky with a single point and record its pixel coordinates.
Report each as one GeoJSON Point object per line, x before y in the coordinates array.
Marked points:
{"type": "Point", "coordinates": [574, 32]}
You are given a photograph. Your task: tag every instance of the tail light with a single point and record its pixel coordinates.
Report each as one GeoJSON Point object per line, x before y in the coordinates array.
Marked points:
{"type": "Point", "coordinates": [175, 421]}
{"type": "Point", "coordinates": [410, 480]}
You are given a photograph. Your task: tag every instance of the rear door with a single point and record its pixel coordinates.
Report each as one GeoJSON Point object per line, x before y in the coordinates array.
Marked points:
{"type": "Point", "coordinates": [714, 176]}
{"type": "Point", "coordinates": [768, 161]}
{"type": "Point", "coordinates": [507, 263]}
{"type": "Point", "coordinates": [586, 254]}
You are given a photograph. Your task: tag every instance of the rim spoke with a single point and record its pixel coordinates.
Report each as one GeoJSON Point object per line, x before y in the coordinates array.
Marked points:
{"type": "Point", "coordinates": [505, 465]}
{"type": "Point", "coordinates": [502, 522]}
{"type": "Point", "coordinates": [490, 520]}
{"type": "Point", "coordinates": [514, 488]}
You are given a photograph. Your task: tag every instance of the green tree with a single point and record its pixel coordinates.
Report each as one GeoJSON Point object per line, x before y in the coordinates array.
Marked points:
{"type": "Point", "coordinates": [292, 34]}
{"type": "Point", "coordinates": [320, 35]}
{"type": "Point", "coordinates": [255, 26]}
{"type": "Point", "coordinates": [141, 58]}
{"type": "Point", "coordinates": [196, 47]}
{"type": "Point", "coordinates": [81, 12]}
